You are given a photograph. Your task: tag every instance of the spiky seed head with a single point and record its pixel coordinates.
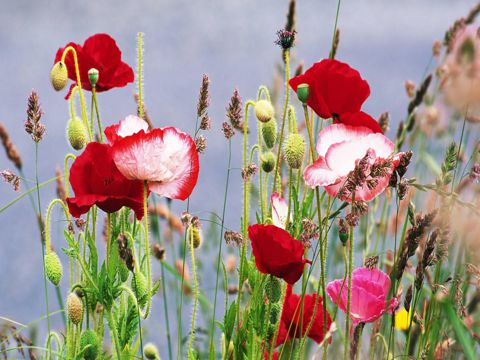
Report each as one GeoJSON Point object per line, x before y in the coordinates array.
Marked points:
{"type": "Point", "coordinates": [264, 110]}
{"type": "Point", "coordinates": [76, 133]}
{"type": "Point", "coordinates": [59, 76]}
{"type": "Point", "coordinates": [268, 161]}
{"type": "Point", "coordinates": [269, 133]}
{"type": "Point", "coordinates": [140, 287]}
{"type": "Point", "coordinates": [150, 351]}
{"type": "Point", "coordinates": [273, 289]}
{"type": "Point", "coordinates": [303, 93]}
{"type": "Point", "coordinates": [89, 338]}
{"type": "Point", "coordinates": [74, 308]}
{"type": "Point", "coordinates": [195, 235]}
{"type": "Point", "coordinates": [53, 268]}
{"type": "Point", "coordinates": [294, 150]}
{"type": "Point", "coordinates": [93, 75]}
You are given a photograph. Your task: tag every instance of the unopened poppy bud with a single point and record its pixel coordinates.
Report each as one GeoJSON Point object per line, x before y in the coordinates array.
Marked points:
{"type": "Point", "coordinates": [264, 110]}
{"type": "Point", "coordinates": [275, 313]}
{"type": "Point", "coordinates": [268, 161]}
{"type": "Point", "coordinates": [151, 352]}
{"type": "Point", "coordinates": [139, 286]}
{"type": "Point", "coordinates": [74, 308]}
{"type": "Point", "coordinates": [303, 92]}
{"type": "Point", "coordinates": [59, 76]}
{"type": "Point", "coordinates": [343, 231]}
{"type": "Point", "coordinates": [195, 236]}
{"type": "Point", "coordinates": [294, 150]}
{"type": "Point", "coordinates": [273, 289]}
{"type": "Point", "coordinates": [53, 268]}
{"type": "Point", "coordinates": [269, 133]}
{"type": "Point", "coordinates": [89, 338]}
{"type": "Point", "coordinates": [76, 133]}
{"type": "Point", "coordinates": [93, 76]}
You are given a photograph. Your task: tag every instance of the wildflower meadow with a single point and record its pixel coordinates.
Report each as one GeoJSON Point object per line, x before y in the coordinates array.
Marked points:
{"type": "Point", "coordinates": [356, 235]}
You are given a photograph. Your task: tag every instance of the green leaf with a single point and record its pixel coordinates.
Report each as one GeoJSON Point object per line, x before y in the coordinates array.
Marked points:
{"type": "Point", "coordinates": [229, 322]}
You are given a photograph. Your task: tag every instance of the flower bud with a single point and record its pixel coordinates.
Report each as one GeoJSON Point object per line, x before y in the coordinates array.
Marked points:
{"type": "Point", "coordinates": [303, 92]}
{"type": "Point", "coordinates": [59, 76]}
{"type": "Point", "coordinates": [53, 268]}
{"type": "Point", "coordinates": [194, 235]}
{"type": "Point", "coordinates": [294, 150]}
{"type": "Point", "coordinates": [93, 76]}
{"type": "Point", "coordinates": [269, 133]}
{"type": "Point", "coordinates": [275, 311]}
{"type": "Point", "coordinates": [264, 110]}
{"type": "Point", "coordinates": [74, 308]}
{"type": "Point", "coordinates": [268, 161]}
{"type": "Point", "coordinates": [150, 351]}
{"type": "Point", "coordinates": [76, 133]}
{"type": "Point", "coordinates": [273, 289]}
{"type": "Point", "coordinates": [140, 287]}
{"type": "Point", "coordinates": [89, 338]}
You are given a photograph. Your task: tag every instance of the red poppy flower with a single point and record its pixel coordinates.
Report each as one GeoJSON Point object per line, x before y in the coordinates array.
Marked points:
{"type": "Point", "coordinates": [276, 252]}
{"type": "Point", "coordinates": [291, 325]}
{"type": "Point", "coordinates": [96, 180]}
{"type": "Point", "coordinates": [101, 52]}
{"type": "Point", "coordinates": [166, 157]}
{"type": "Point", "coordinates": [337, 91]}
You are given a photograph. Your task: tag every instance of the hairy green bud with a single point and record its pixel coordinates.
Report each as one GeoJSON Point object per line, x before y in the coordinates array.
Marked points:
{"type": "Point", "coordinates": [268, 161]}
{"type": "Point", "coordinates": [264, 110]}
{"type": "Point", "coordinates": [59, 76]}
{"type": "Point", "coordinates": [89, 338]}
{"type": "Point", "coordinates": [294, 150]}
{"type": "Point", "coordinates": [269, 133]}
{"type": "Point", "coordinates": [53, 268]}
{"type": "Point", "coordinates": [76, 133]}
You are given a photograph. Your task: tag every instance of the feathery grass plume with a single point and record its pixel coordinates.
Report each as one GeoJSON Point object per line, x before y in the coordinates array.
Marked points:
{"type": "Point", "coordinates": [145, 116]}
{"type": "Point", "coordinates": [384, 121]}
{"type": "Point", "coordinates": [249, 171]}
{"type": "Point", "coordinates": [358, 209]}
{"type": "Point", "coordinates": [357, 177]}
{"type": "Point", "coordinates": [291, 16]}
{"type": "Point", "coordinates": [448, 165]}
{"type": "Point", "coordinates": [233, 238]}
{"type": "Point", "coordinates": [12, 152]}
{"type": "Point", "coordinates": [61, 192]}
{"type": "Point", "coordinates": [410, 88]}
{"type": "Point", "coordinates": [22, 342]}
{"type": "Point", "coordinates": [33, 126]}
{"type": "Point", "coordinates": [125, 252]}
{"type": "Point", "coordinates": [158, 251]}
{"type": "Point", "coordinates": [336, 42]}
{"type": "Point", "coordinates": [309, 231]}
{"type": "Point", "coordinates": [203, 98]}
{"type": "Point", "coordinates": [459, 24]}
{"type": "Point", "coordinates": [299, 70]}
{"type": "Point", "coordinates": [408, 298]}
{"type": "Point", "coordinates": [371, 262]}
{"type": "Point", "coordinates": [12, 179]}
{"type": "Point", "coordinates": [227, 130]}
{"type": "Point", "coordinates": [234, 111]}
{"type": "Point", "coordinates": [201, 144]}
{"type": "Point", "coordinates": [419, 94]}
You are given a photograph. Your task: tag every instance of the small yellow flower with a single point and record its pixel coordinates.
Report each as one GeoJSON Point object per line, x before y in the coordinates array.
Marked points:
{"type": "Point", "coordinates": [402, 319]}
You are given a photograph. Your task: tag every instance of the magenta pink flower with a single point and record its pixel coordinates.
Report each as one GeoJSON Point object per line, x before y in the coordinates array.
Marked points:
{"type": "Point", "coordinates": [368, 297]}
{"type": "Point", "coordinates": [166, 157]}
{"type": "Point", "coordinates": [340, 147]}
{"type": "Point", "coordinates": [279, 210]}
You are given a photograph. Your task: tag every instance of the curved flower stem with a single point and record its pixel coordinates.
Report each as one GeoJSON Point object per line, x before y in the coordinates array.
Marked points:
{"type": "Point", "coordinates": [97, 113]}
{"type": "Point", "coordinates": [79, 84]}
{"type": "Point", "coordinates": [284, 117]}
{"type": "Point", "coordinates": [67, 173]}
{"type": "Point", "coordinates": [263, 89]}
{"type": "Point", "coordinates": [47, 222]}
{"type": "Point", "coordinates": [349, 288]}
{"type": "Point", "coordinates": [147, 248]}
{"type": "Point", "coordinates": [211, 350]}
{"type": "Point", "coordinates": [246, 192]}
{"type": "Point", "coordinates": [195, 296]}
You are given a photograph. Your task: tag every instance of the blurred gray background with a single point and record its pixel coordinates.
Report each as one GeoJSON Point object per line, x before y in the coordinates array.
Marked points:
{"type": "Point", "coordinates": [231, 41]}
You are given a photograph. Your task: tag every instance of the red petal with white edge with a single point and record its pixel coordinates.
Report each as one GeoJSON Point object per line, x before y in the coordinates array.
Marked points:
{"type": "Point", "coordinates": [319, 174]}
{"type": "Point", "coordinates": [130, 125]}
{"type": "Point", "coordinates": [337, 133]}
{"type": "Point", "coordinates": [341, 157]}
{"type": "Point", "coordinates": [165, 157]}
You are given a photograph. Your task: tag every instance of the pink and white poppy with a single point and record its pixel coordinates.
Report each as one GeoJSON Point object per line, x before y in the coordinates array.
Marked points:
{"type": "Point", "coordinates": [165, 157]}
{"type": "Point", "coordinates": [368, 296]}
{"type": "Point", "coordinates": [279, 210]}
{"type": "Point", "coordinates": [340, 147]}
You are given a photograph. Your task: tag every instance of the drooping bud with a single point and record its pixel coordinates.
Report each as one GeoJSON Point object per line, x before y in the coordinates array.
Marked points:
{"type": "Point", "coordinates": [59, 76]}
{"type": "Point", "coordinates": [264, 110]}
{"type": "Point", "coordinates": [150, 351]}
{"type": "Point", "coordinates": [194, 235]}
{"type": "Point", "coordinates": [89, 338]}
{"type": "Point", "coordinates": [76, 133]}
{"type": "Point", "coordinates": [269, 133]}
{"type": "Point", "coordinates": [74, 308]}
{"type": "Point", "coordinates": [140, 287]}
{"type": "Point", "coordinates": [93, 76]}
{"type": "Point", "coordinates": [343, 231]}
{"type": "Point", "coordinates": [268, 161]}
{"type": "Point", "coordinates": [294, 150]}
{"type": "Point", "coordinates": [303, 92]}
{"type": "Point", "coordinates": [273, 289]}
{"type": "Point", "coordinates": [53, 268]}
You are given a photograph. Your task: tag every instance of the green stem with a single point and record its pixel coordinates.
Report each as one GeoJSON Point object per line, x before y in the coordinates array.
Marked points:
{"type": "Point", "coordinates": [97, 113]}
{"type": "Point", "coordinates": [195, 296]}
{"type": "Point", "coordinates": [147, 247]}
{"type": "Point", "coordinates": [349, 288]}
